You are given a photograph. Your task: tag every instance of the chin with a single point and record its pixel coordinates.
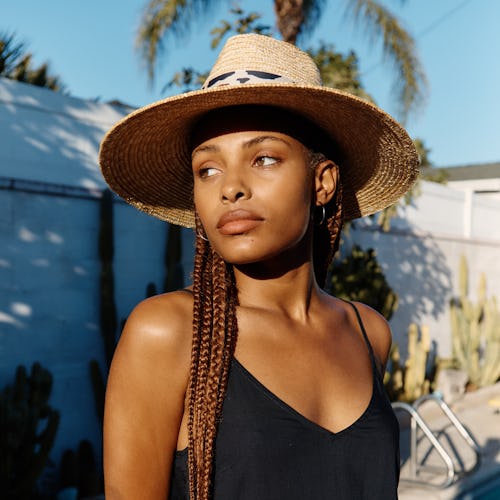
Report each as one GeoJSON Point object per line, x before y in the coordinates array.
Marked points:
{"type": "Point", "coordinates": [238, 256]}
{"type": "Point", "coordinates": [246, 249]}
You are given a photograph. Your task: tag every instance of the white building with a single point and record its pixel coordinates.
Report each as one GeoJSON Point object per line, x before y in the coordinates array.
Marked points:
{"type": "Point", "coordinates": [421, 255]}
{"type": "Point", "coordinates": [480, 180]}
{"type": "Point", "coordinates": [50, 186]}
{"type": "Point", "coordinates": [49, 267]}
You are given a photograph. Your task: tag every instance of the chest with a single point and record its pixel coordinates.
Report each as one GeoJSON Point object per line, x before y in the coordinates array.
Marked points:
{"type": "Point", "coordinates": [263, 441]}
{"type": "Point", "coordinates": [326, 377]}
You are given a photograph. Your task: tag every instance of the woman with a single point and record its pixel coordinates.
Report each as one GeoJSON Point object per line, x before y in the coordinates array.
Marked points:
{"type": "Point", "coordinates": [254, 383]}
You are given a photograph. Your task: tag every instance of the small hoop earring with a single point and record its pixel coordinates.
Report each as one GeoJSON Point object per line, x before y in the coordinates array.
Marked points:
{"type": "Point", "coordinates": [198, 233]}
{"type": "Point", "coordinates": [323, 216]}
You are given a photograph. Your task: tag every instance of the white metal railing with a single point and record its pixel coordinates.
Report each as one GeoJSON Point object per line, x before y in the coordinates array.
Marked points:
{"type": "Point", "coordinates": [416, 423]}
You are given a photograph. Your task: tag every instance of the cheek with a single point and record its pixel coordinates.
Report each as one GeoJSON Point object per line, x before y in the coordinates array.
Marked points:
{"type": "Point", "coordinates": [294, 202]}
{"type": "Point", "coordinates": [294, 222]}
{"type": "Point", "coordinates": [202, 204]}
{"type": "Point", "coordinates": [290, 215]}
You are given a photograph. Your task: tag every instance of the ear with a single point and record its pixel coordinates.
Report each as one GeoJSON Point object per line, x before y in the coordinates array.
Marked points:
{"type": "Point", "coordinates": [325, 181]}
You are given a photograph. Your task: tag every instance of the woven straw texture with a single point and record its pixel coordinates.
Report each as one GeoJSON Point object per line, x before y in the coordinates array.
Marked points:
{"type": "Point", "coordinates": [146, 158]}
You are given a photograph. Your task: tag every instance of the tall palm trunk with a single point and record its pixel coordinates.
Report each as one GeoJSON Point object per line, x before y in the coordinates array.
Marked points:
{"type": "Point", "coordinates": [289, 18]}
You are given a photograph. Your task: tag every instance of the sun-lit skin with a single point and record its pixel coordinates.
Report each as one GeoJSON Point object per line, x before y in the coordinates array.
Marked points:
{"type": "Point", "coordinates": [261, 175]}
{"type": "Point", "coordinates": [254, 192]}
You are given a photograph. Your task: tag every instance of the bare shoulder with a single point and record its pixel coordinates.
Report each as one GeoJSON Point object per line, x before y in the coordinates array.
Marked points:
{"type": "Point", "coordinates": [145, 397]}
{"type": "Point", "coordinates": [378, 331]}
{"type": "Point", "coordinates": [155, 345]}
{"type": "Point", "coordinates": [164, 320]}
{"type": "Point", "coordinates": [158, 329]}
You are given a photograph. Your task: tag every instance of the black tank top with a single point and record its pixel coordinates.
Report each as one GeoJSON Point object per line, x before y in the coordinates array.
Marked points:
{"type": "Point", "coordinates": [265, 450]}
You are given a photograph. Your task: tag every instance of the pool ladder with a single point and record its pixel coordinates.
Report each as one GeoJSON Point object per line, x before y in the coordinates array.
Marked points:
{"type": "Point", "coordinates": [416, 423]}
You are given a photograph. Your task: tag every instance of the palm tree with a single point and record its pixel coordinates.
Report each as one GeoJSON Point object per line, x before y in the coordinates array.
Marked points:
{"type": "Point", "coordinates": [17, 64]}
{"type": "Point", "coordinates": [295, 19]}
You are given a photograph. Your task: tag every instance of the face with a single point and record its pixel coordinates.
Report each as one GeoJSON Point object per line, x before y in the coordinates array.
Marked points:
{"type": "Point", "coordinates": [253, 188]}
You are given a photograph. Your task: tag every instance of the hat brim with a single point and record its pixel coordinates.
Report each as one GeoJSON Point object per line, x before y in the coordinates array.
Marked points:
{"type": "Point", "coordinates": [146, 159]}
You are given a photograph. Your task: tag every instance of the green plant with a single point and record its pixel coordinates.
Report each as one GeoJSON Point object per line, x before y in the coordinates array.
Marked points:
{"type": "Point", "coordinates": [475, 331]}
{"type": "Point", "coordinates": [79, 470]}
{"type": "Point", "coordinates": [29, 426]}
{"type": "Point", "coordinates": [108, 318]}
{"type": "Point", "coordinates": [16, 63]}
{"type": "Point", "coordinates": [408, 381]}
{"type": "Point", "coordinates": [98, 387]}
{"type": "Point", "coordinates": [107, 312]}
{"type": "Point", "coordinates": [150, 292]}
{"type": "Point", "coordinates": [174, 277]}
{"type": "Point", "coordinates": [358, 276]}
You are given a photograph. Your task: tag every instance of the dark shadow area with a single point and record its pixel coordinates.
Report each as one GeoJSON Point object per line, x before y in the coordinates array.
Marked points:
{"type": "Point", "coordinates": [416, 269]}
{"type": "Point", "coordinates": [475, 477]}
{"type": "Point", "coordinates": [49, 296]}
{"type": "Point", "coordinates": [50, 187]}
{"type": "Point", "coordinates": [487, 486]}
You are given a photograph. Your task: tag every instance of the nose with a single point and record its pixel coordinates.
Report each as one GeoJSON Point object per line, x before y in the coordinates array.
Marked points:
{"type": "Point", "coordinates": [234, 187]}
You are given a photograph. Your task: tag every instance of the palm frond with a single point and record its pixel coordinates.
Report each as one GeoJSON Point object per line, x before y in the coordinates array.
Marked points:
{"type": "Point", "coordinates": [313, 9]}
{"type": "Point", "coordinates": [339, 71]}
{"type": "Point", "coordinates": [11, 52]}
{"type": "Point", "coordinates": [163, 17]}
{"type": "Point", "coordinates": [399, 46]}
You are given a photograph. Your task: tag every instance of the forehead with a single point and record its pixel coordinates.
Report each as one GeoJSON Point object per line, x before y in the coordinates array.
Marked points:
{"type": "Point", "coordinates": [250, 118]}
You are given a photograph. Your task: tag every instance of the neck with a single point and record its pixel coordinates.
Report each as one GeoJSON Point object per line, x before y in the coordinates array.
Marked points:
{"type": "Point", "coordinates": [287, 291]}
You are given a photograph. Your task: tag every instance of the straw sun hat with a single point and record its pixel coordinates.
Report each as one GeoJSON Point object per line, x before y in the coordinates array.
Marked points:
{"type": "Point", "coordinates": [146, 157]}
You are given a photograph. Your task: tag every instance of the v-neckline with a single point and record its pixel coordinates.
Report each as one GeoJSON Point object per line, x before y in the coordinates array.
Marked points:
{"type": "Point", "coordinates": [307, 421]}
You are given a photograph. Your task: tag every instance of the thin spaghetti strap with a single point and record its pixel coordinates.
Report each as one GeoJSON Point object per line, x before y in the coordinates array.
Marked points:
{"type": "Point", "coordinates": [363, 331]}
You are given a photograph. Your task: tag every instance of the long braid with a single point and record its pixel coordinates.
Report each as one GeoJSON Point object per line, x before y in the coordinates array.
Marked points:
{"type": "Point", "coordinates": [214, 339]}
{"type": "Point", "coordinates": [326, 238]}
{"type": "Point", "coordinates": [200, 262]}
{"type": "Point", "coordinates": [231, 331]}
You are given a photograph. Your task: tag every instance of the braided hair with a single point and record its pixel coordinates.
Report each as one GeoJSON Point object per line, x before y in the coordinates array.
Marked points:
{"type": "Point", "coordinates": [214, 336]}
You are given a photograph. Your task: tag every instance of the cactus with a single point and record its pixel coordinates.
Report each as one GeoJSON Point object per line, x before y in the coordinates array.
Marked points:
{"type": "Point", "coordinates": [394, 375]}
{"type": "Point", "coordinates": [150, 290]}
{"type": "Point", "coordinates": [414, 379]}
{"type": "Point", "coordinates": [475, 332]}
{"type": "Point", "coordinates": [98, 388]}
{"type": "Point", "coordinates": [416, 383]}
{"type": "Point", "coordinates": [29, 426]}
{"type": "Point", "coordinates": [90, 481]}
{"type": "Point", "coordinates": [79, 470]}
{"type": "Point", "coordinates": [360, 277]}
{"type": "Point", "coordinates": [108, 317]}
{"type": "Point", "coordinates": [68, 470]}
{"type": "Point", "coordinates": [174, 278]}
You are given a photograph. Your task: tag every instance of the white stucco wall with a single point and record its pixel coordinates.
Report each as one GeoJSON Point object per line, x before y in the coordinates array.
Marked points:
{"type": "Point", "coordinates": [50, 137]}
{"type": "Point", "coordinates": [488, 188]}
{"type": "Point", "coordinates": [49, 293]}
{"type": "Point", "coordinates": [421, 256]}
{"type": "Point", "coordinates": [49, 268]}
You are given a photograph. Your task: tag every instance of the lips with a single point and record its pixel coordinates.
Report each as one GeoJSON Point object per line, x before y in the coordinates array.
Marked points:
{"type": "Point", "coordinates": [238, 222]}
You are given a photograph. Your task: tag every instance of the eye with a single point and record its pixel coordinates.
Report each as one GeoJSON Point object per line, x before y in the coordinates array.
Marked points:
{"type": "Point", "coordinates": [205, 172]}
{"type": "Point", "coordinates": [265, 161]}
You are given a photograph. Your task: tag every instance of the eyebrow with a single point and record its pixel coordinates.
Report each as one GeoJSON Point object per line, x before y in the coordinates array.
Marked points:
{"type": "Point", "coordinates": [262, 138]}
{"type": "Point", "coordinates": [211, 148]}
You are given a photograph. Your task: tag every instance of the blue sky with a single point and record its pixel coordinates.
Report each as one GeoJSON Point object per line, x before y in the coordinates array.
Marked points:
{"type": "Point", "coordinates": [91, 46]}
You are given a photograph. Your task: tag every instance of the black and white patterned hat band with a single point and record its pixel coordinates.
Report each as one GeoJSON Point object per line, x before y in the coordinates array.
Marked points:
{"type": "Point", "coordinates": [241, 76]}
